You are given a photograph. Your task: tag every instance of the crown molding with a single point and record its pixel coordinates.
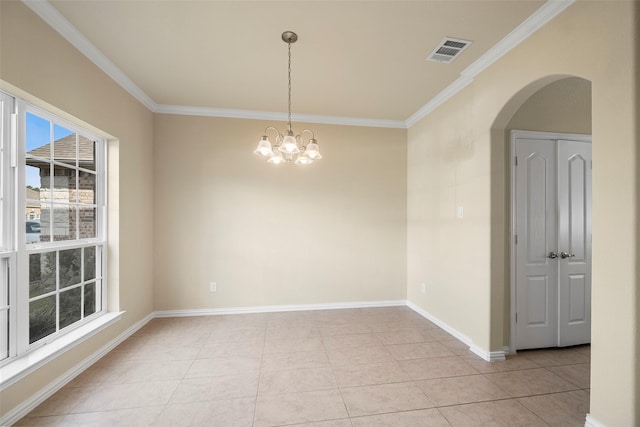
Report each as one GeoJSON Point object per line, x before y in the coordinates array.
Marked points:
{"type": "Point", "coordinates": [533, 23]}
{"type": "Point", "coordinates": [455, 87]}
{"type": "Point", "coordinates": [281, 117]}
{"type": "Point", "coordinates": [51, 16]}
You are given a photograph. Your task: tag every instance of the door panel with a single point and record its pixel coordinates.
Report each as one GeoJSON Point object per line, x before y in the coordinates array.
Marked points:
{"type": "Point", "coordinates": [537, 204]}
{"type": "Point", "coordinates": [537, 298]}
{"type": "Point", "coordinates": [577, 293]}
{"type": "Point", "coordinates": [536, 226]}
{"type": "Point", "coordinates": [574, 226]}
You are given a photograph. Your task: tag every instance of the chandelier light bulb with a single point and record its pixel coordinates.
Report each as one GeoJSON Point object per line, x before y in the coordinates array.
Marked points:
{"type": "Point", "coordinates": [264, 148]}
{"type": "Point", "coordinates": [276, 159]}
{"type": "Point", "coordinates": [289, 145]}
{"type": "Point", "coordinates": [303, 160]}
{"type": "Point", "coordinates": [313, 151]}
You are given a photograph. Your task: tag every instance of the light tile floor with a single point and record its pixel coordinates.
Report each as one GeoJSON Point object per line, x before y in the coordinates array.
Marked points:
{"type": "Point", "coordinates": [334, 368]}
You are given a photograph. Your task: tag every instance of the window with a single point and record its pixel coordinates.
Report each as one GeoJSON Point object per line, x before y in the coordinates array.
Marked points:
{"type": "Point", "coordinates": [53, 247]}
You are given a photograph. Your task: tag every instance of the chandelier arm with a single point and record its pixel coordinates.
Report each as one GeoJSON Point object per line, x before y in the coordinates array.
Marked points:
{"type": "Point", "coordinates": [310, 131]}
{"type": "Point", "coordinates": [279, 136]}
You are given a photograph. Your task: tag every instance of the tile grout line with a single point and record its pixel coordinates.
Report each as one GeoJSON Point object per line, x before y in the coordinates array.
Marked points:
{"type": "Point", "coordinates": [264, 341]}
{"type": "Point", "coordinates": [504, 399]}
{"type": "Point", "coordinates": [534, 414]}
{"type": "Point", "coordinates": [166, 405]}
{"type": "Point", "coordinates": [563, 379]}
{"type": "Point", "coordinates": [332, 368]}
{"type": "Point", "coordinates": [344, 403]}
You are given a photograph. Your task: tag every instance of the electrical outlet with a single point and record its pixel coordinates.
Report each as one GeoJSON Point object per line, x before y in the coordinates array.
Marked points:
{"type": "Point", "coordinates": [213, 287]}
{"type": "Point", "coordinates": [423, 288]}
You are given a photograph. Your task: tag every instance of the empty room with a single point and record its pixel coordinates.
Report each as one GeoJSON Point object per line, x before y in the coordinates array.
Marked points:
{"type": "Point", "coordinates": [320, 213]}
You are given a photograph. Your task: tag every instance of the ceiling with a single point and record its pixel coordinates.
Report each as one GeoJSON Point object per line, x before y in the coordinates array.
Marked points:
{"type": "Point", "coordinates": [355, 59]}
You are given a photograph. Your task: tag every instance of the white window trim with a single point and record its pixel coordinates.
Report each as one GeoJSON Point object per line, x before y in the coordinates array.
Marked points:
{"type": "Point", "coordinates": [25, 359]}
{"type": "Point", "coordinates": [21, 366]}
{"type": "Point", "coordinates": [8, 158]}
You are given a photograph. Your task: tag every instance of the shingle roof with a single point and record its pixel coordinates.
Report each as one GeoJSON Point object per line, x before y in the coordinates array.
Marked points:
{"type": "Point", "coordinates": [64, 150]}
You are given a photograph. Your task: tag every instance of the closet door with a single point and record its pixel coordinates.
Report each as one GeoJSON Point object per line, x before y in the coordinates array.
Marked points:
{"type": "Point", "coordinates": [536, 250]}
{"type": "Point", "coordinates": [574, 227]}
{"type": "Point", "coordinates": [553, 249]}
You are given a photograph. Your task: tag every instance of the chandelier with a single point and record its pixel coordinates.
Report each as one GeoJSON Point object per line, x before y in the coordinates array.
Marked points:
{"type": "Point", "coordinates": [290, 147]}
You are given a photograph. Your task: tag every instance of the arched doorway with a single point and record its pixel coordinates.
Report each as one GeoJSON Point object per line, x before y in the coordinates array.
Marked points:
{"type": "Point", "coordinates": [557, 103]}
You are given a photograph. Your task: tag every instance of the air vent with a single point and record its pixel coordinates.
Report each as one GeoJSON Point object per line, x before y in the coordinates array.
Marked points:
{"type": "Point", "coordinates": [448, 50]}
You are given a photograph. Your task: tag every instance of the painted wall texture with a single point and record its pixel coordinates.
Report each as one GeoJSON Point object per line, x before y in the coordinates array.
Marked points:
{"type": "Point", "coordinates": [83, 93]}
{"type": "Point", "coordinates": [334, 231]}
{"type": "Point", "coordinates": [563, 106]}
{"type": "Point", "coordinates": [457, 157]}
{"type": "Point", "coordinates": [190, 204]}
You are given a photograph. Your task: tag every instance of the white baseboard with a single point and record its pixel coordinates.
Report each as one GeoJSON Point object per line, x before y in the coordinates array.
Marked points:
{"type": "Point", "coordinates": [277, 308]}
{"type": "Point", "coordinates": [30, 404]}
{"type": "Point", "coordinates": [453, 331]}
{"type": "Point", "coordinates": [489, 356]}
{"type": "Point", "coordinates": [592, 422]}
{"type": "Point", "coordinates": [24, 408]}
{"type": "Point", "coordinates": [23, 366]}
{"type": "Point", "coordinates": [27, 406]}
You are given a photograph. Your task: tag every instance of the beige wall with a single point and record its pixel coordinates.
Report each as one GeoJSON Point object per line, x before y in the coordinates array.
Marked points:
{"type": "Point", "coordinates": [38, 64]}
{"type": "Point", "coordinates": [456, 157]}
{"type": "Point", "coordinates": [562, 106]}
{"type": "Point", "coordinates": [330, 232]}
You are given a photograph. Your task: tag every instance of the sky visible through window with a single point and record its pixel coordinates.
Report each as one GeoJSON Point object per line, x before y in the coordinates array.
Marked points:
{"type": "Point", "coordinates": [38, 134]}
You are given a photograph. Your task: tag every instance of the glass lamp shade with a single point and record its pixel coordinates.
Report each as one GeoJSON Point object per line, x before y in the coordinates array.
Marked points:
{"type": "Point", "coordinates": [313, 151]}
{"type": "Point", "coordinates": [289, 145]}
{"type": "Point", "coordinates": [264, 147]}
{"type": "Point", "coordinates": [303, 160]}
{"type": "Point", "coordinates": [276, 159]}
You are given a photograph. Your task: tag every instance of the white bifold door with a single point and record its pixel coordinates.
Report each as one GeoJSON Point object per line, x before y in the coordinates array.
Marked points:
{"type": "Point", "coordinates": [552, 242]}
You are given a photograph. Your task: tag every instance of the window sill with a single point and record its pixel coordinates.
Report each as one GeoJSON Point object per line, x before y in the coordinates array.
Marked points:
{"type": "Point", "coordinates": [24, 365]}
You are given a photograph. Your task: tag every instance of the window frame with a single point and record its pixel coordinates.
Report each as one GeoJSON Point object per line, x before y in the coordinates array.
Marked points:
{"type": "Point", "coordinates": [19, 252]}
{"type": "Point", "coordinates": [8, 258]}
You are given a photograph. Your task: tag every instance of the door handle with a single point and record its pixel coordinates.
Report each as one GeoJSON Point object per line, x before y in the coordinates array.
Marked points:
{"type": "Point", "coordinates": [564, 255]}
{"type": "Point", "coordinates": [553, 255]}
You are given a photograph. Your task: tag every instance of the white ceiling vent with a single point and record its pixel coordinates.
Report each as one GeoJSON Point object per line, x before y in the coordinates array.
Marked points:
{"type": "Point", "coordinates": [448, 50]}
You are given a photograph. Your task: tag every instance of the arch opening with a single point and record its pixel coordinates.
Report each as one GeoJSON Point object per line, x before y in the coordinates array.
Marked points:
{"type": "Point", "coordinates": [555, 103]}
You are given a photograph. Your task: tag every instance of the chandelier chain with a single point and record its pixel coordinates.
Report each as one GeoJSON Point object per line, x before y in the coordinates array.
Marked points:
{"type": "Point", "coordinates": [289, 71]}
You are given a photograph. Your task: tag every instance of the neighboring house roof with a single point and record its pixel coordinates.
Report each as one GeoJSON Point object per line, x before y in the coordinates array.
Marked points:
{"type": "Point", "coordinates": [64, 150]}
